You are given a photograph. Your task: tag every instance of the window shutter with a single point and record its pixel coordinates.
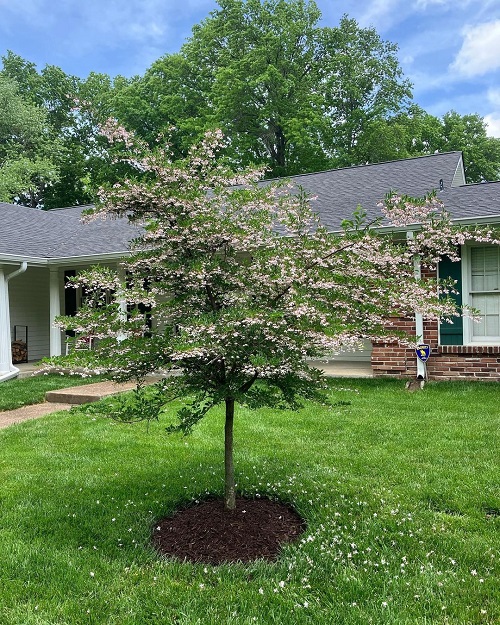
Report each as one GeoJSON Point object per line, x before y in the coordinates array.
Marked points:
{"type": "Point", "coordinates": [70, 306]}
{"type": "Point", "coordinates": [452, 333]}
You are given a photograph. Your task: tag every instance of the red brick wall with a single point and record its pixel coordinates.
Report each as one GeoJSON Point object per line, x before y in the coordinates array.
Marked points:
{"type": "Point", "coordinates": [446, 362]}
{"type": "Point", "coordinates": [392, 359]}
{"type": "Point", "coordinates": [465, 361]}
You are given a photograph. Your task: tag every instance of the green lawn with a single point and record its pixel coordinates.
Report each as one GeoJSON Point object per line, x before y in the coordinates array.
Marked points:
{"type": "Point", "coordinates": [400, 492]}
{"type": "Point", "coordinates": [31, 390]}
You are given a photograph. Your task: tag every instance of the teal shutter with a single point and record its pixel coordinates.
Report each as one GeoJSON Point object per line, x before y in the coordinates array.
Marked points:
{"type": "Point", "coordinates": [452, 333]}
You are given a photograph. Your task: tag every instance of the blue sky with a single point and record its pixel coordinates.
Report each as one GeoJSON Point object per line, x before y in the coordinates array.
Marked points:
{"type": "Point", "coordinates": [449, 49]}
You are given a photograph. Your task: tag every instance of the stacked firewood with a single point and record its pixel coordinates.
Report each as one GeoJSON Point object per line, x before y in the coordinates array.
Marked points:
{"type": "Point", "coordinates": [19, 351]}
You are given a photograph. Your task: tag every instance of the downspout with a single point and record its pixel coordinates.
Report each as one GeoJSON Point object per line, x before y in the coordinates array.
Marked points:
{"type": "Point", "coordinates": [419, 320]}
{"type": "Point", "coordinates": [6, 356]}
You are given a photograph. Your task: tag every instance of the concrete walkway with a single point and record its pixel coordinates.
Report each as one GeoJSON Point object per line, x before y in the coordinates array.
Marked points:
{"type": "Point", "coordinates": [29, 412]}
{"type": "Point", "coordinates": [63, 399]}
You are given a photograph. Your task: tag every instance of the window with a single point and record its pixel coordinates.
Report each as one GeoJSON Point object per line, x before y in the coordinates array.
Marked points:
{"type": "Point", "coordinates": [482, 291]}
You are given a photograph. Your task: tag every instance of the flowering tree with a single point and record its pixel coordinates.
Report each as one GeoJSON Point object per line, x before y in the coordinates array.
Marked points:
{"type": "Point", "coordinates": [243, 285]}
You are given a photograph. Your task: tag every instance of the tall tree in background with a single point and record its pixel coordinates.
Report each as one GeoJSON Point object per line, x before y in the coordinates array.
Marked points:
{"type": "Point", "coordinates": [73, 110]}
{"type": "Point", "coordinates": [364, 87]}
{"type": "Point", "coordinates": [53, 92]}
{"type": "Point", "coordinates": [469, 134]}
{"type": "Point", "coordinates": [290, 94]}
{"type": "Point", "coordinates": [170, 99]}
{"type": "Point", "coordinates": [27, 147]}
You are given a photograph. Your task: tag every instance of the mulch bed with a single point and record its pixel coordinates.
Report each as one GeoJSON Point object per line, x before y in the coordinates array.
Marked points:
{"type": "Point", "coordinates": [208, 533]}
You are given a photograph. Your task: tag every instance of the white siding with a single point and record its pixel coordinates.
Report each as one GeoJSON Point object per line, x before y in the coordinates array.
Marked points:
{"type": "Point", "coordinates": [29, 306]}
{"type": "Point", "coordinates": [459, 177]}
{"type": "Point", "coordinates": [358, 355]}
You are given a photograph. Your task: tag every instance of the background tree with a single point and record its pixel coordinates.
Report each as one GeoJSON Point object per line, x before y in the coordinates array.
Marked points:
{"type": "Point", "coordinates": [364, 87]}
{"type": "Point", "coordinates": [168, 99]}
{"type": "Point", "coordinates": [416, 133]}
{"type": "Point", "coordinates": [73, 111]}
{"type": "Point", "coordinates": [291, 95]}
{"type": "Point", "coordinates": [469, 134]}
{"type": "Point", "coordinates": [412, 133]}
{"type": "Point", "coordinates": [27, 146]}
{"type": "Point", "coordinates": [244, 284]}
{"type": "Point", "coordinates": [53, 92]}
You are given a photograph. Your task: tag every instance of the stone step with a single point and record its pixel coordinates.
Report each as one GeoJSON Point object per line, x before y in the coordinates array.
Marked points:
{"type": "Point", "coordinates": [87, 393]}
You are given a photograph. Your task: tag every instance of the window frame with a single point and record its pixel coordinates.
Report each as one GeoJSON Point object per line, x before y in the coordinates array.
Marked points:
{"type": "Point", "coordinates": [467, 295]}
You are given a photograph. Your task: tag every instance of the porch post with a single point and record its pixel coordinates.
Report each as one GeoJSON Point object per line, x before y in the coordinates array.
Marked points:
{"type": "Point", "coordinates": [5, 336]}
{"type": "Point", "coordinates": [54, 311]}
{"type": "Point", "coordinates": [7, 369]}
{"type": "Point", "coordinates": [122, 301]}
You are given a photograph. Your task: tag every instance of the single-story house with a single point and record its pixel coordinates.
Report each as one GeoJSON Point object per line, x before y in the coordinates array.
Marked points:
{"type": "Point", "coordinates": [40, 249]}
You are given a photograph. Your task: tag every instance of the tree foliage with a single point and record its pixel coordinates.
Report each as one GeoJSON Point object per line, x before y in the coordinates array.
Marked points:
{"type": "Point", "coordinates": [244, 284]}
{"type": "Point", "coordinates": [417, 133]}
{"type": "Point", "coordinates": [27, 163]}
{"type": "Point", "coordinates": [290, 94]}
{"type": "Point", "coordinates": [69, 160]}
{"type": "Point", "coordinates": [469, 134]}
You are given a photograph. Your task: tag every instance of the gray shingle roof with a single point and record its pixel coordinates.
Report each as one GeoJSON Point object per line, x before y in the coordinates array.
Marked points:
{"type": "Point", "coordinates": [473, 200]}
{"type": "Point", "coordinates": [59, 233]}
{"type": "Point", "coordinates": [340, 191]}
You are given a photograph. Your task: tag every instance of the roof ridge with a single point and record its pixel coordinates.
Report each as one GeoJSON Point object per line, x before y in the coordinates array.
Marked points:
{"type": "Point", "coordinates": [353, 167]}
{"type": "Point", "coordinates": [476, 184]}
{"type": "Point", "coordinates": [65, 208]}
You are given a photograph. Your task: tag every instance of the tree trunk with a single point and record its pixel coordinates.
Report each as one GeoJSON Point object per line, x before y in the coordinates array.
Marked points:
{"type": "Point", "coordinates": [229, 494]}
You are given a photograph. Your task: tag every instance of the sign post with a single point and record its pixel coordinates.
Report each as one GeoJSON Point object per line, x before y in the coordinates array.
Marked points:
{"type": "Point", "coordinates": [423, 351]}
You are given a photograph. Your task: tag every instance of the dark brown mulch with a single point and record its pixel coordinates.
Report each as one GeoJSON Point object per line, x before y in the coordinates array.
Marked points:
{"type": "Point", "coordinates": [206, 532]}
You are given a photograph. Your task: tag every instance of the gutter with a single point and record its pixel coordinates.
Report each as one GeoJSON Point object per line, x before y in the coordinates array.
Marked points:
{"type": "Point", "coordinates": [89, 258]}
{"type": "Point", "coordinates": [14, 259]}
{"type": "Point", "coordinates": [14, 274]}
{"type": "Point", "coordinates": [13, 371]}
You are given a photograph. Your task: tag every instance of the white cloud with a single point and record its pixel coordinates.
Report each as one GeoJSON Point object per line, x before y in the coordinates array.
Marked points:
{"type": "Point", "coordinates": [423, 4]}
{"type": "Point", "coordinates": [455, 5]}
{"type": "Point", "coordinates": [493, 124]}
{"type": "Point", "coordinates": [480, 51]}
{"type": "Point", "coordinates": [493, 119]}
{"type": "Point", "coordinates": [381, 14]}
{"type": "Point", "coordinates": [494, 97]}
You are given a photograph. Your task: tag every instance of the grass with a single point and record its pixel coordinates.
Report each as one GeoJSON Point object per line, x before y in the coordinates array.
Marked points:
{"type": "Point", "coordinates": [31, 390]}
{"type": "Point", "coordinates": [400, 492]}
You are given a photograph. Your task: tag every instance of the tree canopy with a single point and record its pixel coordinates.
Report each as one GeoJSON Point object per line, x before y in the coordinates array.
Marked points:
{"type": "Point", "coordinates": [27, 147]}
{"type": "Point", "coordinates": [68, 161]}
{"type": "Point", "coordinates": [416, 133]}
{"type": "Point", "coordinates": [291, 95]}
